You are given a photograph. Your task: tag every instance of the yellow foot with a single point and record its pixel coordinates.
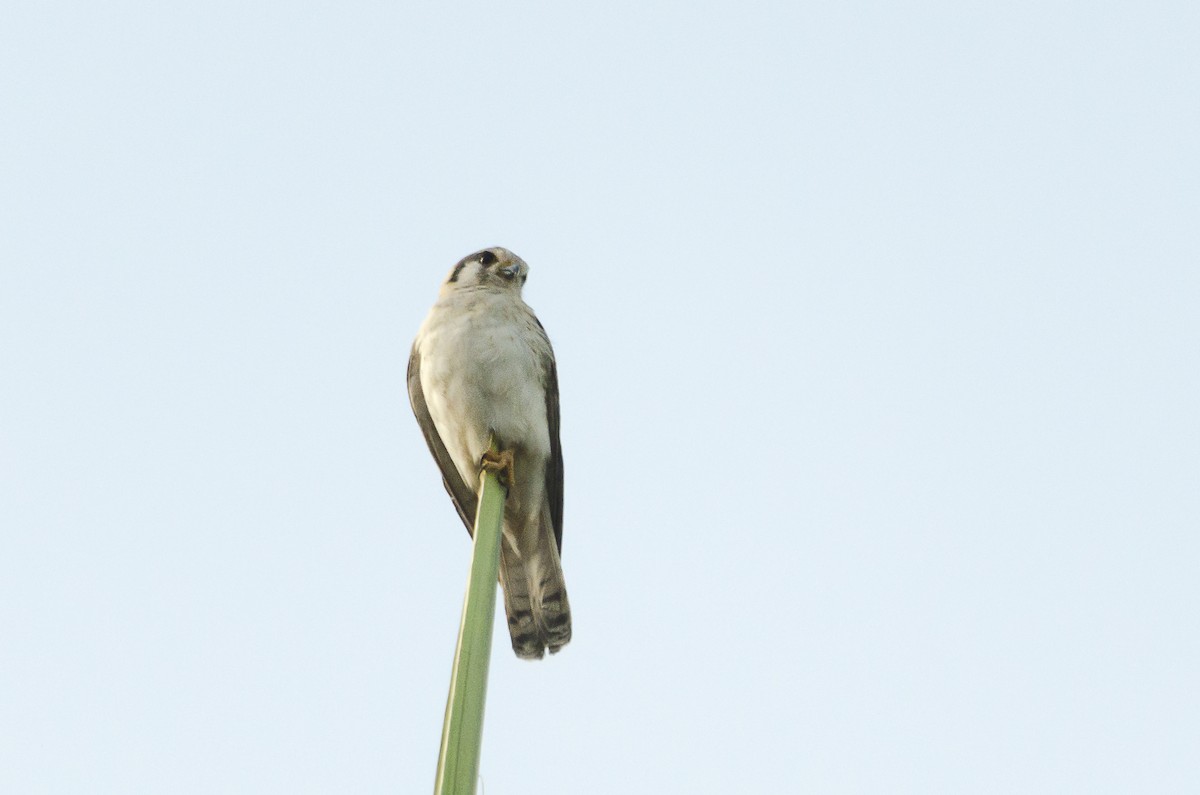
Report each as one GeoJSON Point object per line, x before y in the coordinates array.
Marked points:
{"type": "Point", "coordinates": [502, 464]}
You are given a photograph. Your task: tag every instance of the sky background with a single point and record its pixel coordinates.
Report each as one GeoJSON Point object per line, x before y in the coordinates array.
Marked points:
{"type": "Point", "coordinates": [878, 340]}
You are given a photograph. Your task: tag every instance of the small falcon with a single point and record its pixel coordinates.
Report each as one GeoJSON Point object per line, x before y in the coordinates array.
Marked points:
{"type": "Point", "coordinates": [482, 367]}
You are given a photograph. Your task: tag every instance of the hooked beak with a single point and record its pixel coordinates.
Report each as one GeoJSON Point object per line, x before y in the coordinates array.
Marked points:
{"type": "Point", "coordinates": [509, 271]}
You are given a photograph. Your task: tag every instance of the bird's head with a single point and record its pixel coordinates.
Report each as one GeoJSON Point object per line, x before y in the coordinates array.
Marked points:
{"type": "Point", "coordinates": [492, 268]}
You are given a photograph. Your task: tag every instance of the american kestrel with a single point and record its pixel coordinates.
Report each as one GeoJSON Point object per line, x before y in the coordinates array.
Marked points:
{"type": "Point", "coordinates": [482, 367]}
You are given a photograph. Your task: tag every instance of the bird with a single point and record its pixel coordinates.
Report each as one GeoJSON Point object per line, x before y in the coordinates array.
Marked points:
{"type": "Point", "coordinates": [481, 369]}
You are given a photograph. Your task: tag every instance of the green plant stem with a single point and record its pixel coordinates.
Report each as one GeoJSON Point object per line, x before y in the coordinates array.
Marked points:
{"type": "Point", "coordinates": [462, 731]}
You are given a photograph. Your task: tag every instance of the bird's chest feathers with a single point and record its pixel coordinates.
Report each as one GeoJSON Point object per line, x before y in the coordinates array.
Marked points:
{"type": "Point", "coordinates": [479, 368]}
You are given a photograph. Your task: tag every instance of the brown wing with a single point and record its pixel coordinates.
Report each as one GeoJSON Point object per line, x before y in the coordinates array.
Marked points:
{"type": "Point", "coordinates": [554, 467]}
{"type": "Point", "coordinates": [460, 494]}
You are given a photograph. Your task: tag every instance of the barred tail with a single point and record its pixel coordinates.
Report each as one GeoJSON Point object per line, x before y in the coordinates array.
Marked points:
{"type": "Point", "coordinates": [535, 596]}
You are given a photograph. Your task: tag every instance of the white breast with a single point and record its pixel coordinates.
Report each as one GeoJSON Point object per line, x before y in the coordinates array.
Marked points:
{"type": "Point", "coordinates": [481, 370]}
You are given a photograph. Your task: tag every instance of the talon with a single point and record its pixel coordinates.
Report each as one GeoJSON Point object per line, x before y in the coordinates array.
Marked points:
{"type": "Point", "coordinates": [502, 464]}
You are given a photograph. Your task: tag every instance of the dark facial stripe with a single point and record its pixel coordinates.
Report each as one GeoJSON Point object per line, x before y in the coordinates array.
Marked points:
{"type": "Point", "coordinates": [457, 270]}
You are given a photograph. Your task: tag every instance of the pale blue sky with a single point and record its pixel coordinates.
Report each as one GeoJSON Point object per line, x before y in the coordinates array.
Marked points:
{"type": "Point", "coordinates": [878, 342]}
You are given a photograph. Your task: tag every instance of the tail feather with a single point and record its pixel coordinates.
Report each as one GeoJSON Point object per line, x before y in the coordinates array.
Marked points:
{"type": "Point", "coordinates": [535, 596]}
{"type": "Point", "coordinates": [518, 605]}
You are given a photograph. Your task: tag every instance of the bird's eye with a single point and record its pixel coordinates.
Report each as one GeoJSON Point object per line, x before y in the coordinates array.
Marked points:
{"type": "Point", "coordinates": [487, 258]}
